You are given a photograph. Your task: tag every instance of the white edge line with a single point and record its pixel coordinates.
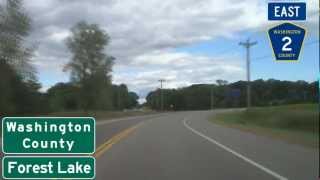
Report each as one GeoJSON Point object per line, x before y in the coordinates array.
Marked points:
{"type": "Point", "coordinates": [274, 174]}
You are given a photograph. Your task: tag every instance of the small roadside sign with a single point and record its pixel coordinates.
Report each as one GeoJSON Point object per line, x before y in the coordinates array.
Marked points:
{"type": "Point", "coordinates": [48, 167]}
{"type": "Point", "coordinates": [46, 135]}
{"type": "Point", "coordinates": [286, 40]}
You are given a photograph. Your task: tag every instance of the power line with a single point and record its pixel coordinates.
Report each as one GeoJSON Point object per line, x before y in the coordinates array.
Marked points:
{"type": "Point", "coordinates": [226, 50]}
{"type": "Point", "coordinates": [268, 55]}
{"type": "Point", "coordinates": [261, 57]}
{"type": "Point", "coordinates": [312, 42]}
{"type": "Point", "coordinates": [211, 97]}
{"type": "Point", "coordinates": [248, 45]}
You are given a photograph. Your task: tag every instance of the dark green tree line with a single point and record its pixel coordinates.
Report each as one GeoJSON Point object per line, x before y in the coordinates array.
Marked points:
{"type": "Point", "coordinates": [65, 97]}
{"type": "Point", "coordinates": [264, 93]}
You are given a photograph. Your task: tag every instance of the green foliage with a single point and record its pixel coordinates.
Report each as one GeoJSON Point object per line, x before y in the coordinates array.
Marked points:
{"type": "Point", "coordinates": [8, 79]}
{"type": "Point", "coordinates": [18, 96]}
{"type": "Point", "coordinates": [132, 100]}
{"type": "Point", "coordinates": [15, 26]}
{"type": "Point", "coordinates": [63, 97]}
{"type": "Point", "coordinates": [96, 93]}
{"type": "Point", "coordinates": [122, 98]}
{"type": "Point", "coordinates": [18, 85]}
{"type": "Point", "coordinates": [87, 44]}
{"type": "Point", "coordinates": [90, 67]}
{"type": "Point", "coordinates": [264, 93]}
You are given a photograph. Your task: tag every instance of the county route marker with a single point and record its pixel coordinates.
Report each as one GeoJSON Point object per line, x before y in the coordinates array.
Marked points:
{"type": "Point", "coordinates": [43, 136]}
{"type": "Point", "coordinates": [287, 38]}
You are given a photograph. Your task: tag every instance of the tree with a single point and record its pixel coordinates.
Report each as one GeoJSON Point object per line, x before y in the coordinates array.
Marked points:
{"type": "Point", "coordinates": [87, 44]}
{"type": "Point", "coordinates": [266, 92]}
{"type": "Point", "coordinates": [221, 82]}
{"type": "Point", "coordinates": [133, 99]}
{"type": "Point", "coordinates": [18, 84]}
{"type": "Point", "coordinates": [15, 26]}
{"type": "Point", "coordinates": [90, 66]}
{"type": "Point", "coordinates": [63, 97]}
{"type": "Point", "coordinates": [122, 98]}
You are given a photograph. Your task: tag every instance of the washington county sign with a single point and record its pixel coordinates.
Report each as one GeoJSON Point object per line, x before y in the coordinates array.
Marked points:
{"type": "Point", "coordinates": [32, 135]}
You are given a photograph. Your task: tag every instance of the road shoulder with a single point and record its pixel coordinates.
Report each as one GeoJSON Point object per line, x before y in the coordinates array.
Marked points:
{"type": "Point", "coordinates": [272, 153]}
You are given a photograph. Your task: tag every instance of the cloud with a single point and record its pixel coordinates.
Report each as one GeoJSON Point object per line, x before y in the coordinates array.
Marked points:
{"type": "Point", "coordinates": [145, 34]}
{"type": "Point", "coordinates": [178, 69]}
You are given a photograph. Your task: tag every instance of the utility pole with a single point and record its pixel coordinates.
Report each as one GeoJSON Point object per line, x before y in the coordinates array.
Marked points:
{"type": "Point", "coordinates": [248, 45]}
{"type": "Point", "coordinates": [161, 93]}
{"type": "Point", "coordinates": [212, 97]}
{"type": "Point", "coordinates": [118, 98]}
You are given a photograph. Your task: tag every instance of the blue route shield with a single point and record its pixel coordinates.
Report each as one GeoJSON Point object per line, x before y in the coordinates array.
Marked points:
{"type": "Point", "coordinates": [286, 40]}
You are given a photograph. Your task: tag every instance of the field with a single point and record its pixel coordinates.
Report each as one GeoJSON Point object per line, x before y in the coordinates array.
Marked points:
{"type": "Point", "coordinates": [293, 123]}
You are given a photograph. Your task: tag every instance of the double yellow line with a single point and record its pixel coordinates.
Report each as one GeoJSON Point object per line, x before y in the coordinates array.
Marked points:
{"type": "Point", "coordinates": [114, 139]}
{"type": "Point", "coordinates": [109, 143]}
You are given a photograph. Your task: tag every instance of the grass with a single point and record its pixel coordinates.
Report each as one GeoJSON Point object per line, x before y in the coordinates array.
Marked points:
{"type": "Point", "coordinates": [293, 123]}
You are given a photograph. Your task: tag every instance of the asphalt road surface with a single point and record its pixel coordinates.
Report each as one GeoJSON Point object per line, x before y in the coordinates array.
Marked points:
{"type": "Point", "coordinates": [186, 146]}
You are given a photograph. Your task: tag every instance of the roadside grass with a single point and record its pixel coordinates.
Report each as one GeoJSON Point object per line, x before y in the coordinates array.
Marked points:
{"type": "Point", "coordinates": [297, 124]}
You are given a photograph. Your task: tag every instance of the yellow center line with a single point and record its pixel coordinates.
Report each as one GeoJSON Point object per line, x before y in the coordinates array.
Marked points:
{"type": "Point", "coordinates": [109, 143]}
{"type": "Point", "coordinates": [114, 139]}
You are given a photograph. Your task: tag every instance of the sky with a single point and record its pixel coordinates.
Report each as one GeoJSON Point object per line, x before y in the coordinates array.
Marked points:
{"type": "Point", "coordinates": [182, 41]}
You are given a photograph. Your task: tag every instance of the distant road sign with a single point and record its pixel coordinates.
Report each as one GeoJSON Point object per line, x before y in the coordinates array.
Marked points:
{"type": "Point", "coordinates": [48, 135]}
{"type": "Point", "coordinates": [286, 41]}
{"type": "Point", "coordinates": [287, 11]}
{"type": "Point", "coordinates": [235, 93]}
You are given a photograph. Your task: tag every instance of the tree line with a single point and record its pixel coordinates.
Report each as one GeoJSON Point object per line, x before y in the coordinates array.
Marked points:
{"type": "Point", "coordinates": [223, 94]}
{"type": "Point", "coordinates": [90, 86]}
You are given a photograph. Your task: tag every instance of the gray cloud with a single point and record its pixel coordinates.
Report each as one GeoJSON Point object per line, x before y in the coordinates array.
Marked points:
{"type": "Point", "coordinates": [145, 32]}
{"type": "Point", "coordinates": [178, 69]}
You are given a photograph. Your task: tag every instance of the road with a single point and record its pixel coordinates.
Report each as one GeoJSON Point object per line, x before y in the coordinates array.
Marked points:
{"type": "Point", "coordinates": [186, 146]}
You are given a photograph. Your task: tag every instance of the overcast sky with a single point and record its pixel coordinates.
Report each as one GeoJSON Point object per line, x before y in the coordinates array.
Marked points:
{"type": "Point", "coordinates": [182, 41]}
